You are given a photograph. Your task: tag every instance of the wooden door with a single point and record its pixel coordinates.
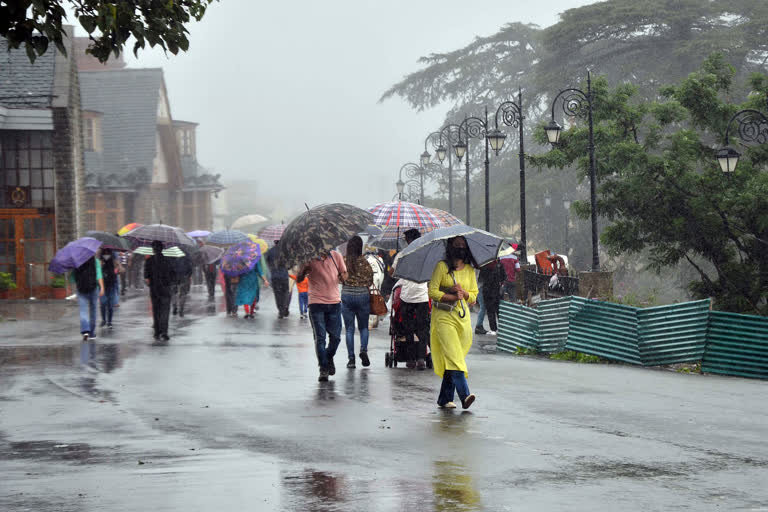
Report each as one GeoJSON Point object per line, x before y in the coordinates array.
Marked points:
{"type": "Point", "coordinates": [27, 244]}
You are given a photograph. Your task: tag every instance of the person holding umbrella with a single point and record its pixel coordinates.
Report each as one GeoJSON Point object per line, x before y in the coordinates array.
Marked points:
{"type": "Point", "coordinates": [280, 281]}
{"type": "Point", "coordinates": [452, 287]}
{"type": "Point", "coordinates": [109, 269]}
{"type": "Point", "coordinates": [89, 282]}
{"type": "Point", "coordinates": [356, 300]}
{"type": "Point", "coordinates": [159, 275]}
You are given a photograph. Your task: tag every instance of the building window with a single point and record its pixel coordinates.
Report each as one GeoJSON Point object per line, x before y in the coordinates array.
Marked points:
{"type": "Point", "coordinates": [91, 132]}
{"type": "Point", "coordinates": [184, 139]}
{"type": "Point", "coordinates": [26, 170]}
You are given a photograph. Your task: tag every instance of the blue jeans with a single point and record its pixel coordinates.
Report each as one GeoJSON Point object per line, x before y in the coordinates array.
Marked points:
{"type": "Point", "coordinates": [356, 306]}
{"type": "Point", "coordinates": [87, 303]}
{"type": "Point", "coordinates": [481, 314]}
{"type": "Point", "coordinates": [108, 302]}
{"type": "Point", "coordinates": [325, 319]}
{"type": "Point", "coordinates": [453, 381]}
{"type": "Point", "coordinates": [303, 302]}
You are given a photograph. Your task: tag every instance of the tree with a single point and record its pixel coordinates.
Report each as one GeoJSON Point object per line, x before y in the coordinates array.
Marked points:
{"type": "Point", "coordinates": [37, 23]}
{"type": "Point", "coordinates": [662, 190]}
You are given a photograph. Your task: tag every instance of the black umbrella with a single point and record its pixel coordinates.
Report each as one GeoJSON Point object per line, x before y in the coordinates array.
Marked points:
{"type": "Point", "coordinates": [169, 235]}
{"type": "Point", "coordinates": [211, 254]}
{"type": "Point", "coordinates": [319, 230]}
{"type": "Point", "coordinates": [109, 241]}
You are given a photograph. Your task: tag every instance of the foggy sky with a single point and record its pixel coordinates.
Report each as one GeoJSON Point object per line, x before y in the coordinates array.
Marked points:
{"type": "Point", "coordinates": [286, 92]}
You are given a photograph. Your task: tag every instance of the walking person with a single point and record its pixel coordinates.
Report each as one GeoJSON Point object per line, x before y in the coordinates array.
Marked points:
{"type": "Point", "coordinates": [230, 294]}
{"type": "Point", "coordinates": [89, 282]}
{"type": "Point", "coordinates": [122, 260]}
{"type": "Point", "coordinates": [325, 274]}
{"type": "Point", "coordinates": [248, 289]}
{"type": "Point", "coordinates": [302, 287]}
{"type": "Point", "coordinates": [492, 278]}
{"type": "Point", "coordinates": [452, 288]}
{"type": "Point", "coordinates": [109, 272]}
{"type": "Point", "coordinates": [479, 329]}
{"type": "Point", "coordinates": [379, 271]}
{"type": "Point", "coordinates": [279, 277]}
{"type": "Point", "coordinates": [356, 300]}
{"type": "Point", "coordinates": [209, 271]}
{"type": "Point", "coordinates": [183, 271]}
{"type": "Point", "coordinates": [511, 266]}
{"type": "Point", "coordinates": [159, 276]}
{"type": "Point", "coordinates": [414, 299]}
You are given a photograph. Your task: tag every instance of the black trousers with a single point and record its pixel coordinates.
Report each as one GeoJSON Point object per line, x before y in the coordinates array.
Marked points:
{"type": "Point", "coordinates": [210, 281]}
{"type": "Point", "coordinates": [416, 324]}
{"type": "Point", "coordinates": [180, 292]}
{"type": "Point", "coordinates": [161, 309]}
{"type": "Point", "coordinates": [282, 295]}
{"type": "Point", "coordinates": [230, 289]}
{"type": "Point", "coordinates": [491, 299]}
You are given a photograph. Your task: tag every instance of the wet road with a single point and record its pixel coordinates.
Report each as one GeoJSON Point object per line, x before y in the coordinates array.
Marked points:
{"type": "Point", "coordinates": [230, 416]}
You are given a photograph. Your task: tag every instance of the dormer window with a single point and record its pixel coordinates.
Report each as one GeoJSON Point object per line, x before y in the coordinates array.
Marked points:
{"type": "Point", "coordinates": [185, 140]}
{"type": "Point", "coordinates": [92, 131]}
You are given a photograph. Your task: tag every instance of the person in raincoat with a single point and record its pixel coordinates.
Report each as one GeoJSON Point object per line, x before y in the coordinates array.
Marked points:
{"type": "Point", "coordinates": [248, 289]}
{"type": "Point", "coordinates": [452, 288]}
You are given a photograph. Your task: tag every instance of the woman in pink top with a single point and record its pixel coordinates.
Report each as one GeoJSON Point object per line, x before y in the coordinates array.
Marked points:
{"type": "Point", "coordinates": [325, 274]}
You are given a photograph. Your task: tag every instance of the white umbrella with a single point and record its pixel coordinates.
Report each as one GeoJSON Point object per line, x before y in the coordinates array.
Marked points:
{"type": "Point", "coordinates": [248, 220]}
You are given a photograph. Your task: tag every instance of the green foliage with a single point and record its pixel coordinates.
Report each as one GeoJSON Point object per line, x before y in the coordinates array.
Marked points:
{"type": "Point", "coordinates": [577, 357]}
{"type": "Point", "coordinates": [6, 281]}
{"type": "Point", "coordinates": [59, 281]}
{"type": "Point", "coordinates": [663, 192]}
{"type": "Point", "coordinates": [522, 351]}
{"type": "Point", "coordinates": [109, 25]}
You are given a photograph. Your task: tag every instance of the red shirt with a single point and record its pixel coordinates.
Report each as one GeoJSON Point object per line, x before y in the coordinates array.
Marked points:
{"type": "Point", "coordinates": [324, 279]}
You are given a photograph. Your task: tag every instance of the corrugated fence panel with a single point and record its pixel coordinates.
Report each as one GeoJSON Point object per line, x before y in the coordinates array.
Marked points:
{"type": "Point", "coordinates": [604, 329]}
{"type": "Point", "coordinates": [518, 327]}
{"type": "Point", "coordinates": [672, 334]}
{"type": "Point", "coordinates": [736, 345]}
{"type": "Point", "coordinates": [554, 321]}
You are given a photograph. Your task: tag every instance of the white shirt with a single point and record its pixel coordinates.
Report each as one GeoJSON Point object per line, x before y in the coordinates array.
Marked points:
{"type": "Point", "coordinates": [411, 292]}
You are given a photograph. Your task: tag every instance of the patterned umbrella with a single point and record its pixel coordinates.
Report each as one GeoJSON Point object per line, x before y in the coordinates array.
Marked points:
{"type": "Point", "coordinates": [110, 241]}
{"type": "Point", "coordinates": [74, 254]}
{"type": "Point", "coordinates": [240, 258]}
{"type": "Point", "coordinates": [128, 227]}
{"type": "Point", "coordinates": [248, 220]}
{"type": "Point", "coordinates": [272, 233]}
{"type": "Point", "coordinates": [227, 237]}
{"type": "Point", "coordinates": [396, 217]}
{"type": "Point", "coordinates": [169, 235]}
{"type": "Point", "coordinates": [319, 230]}
{"type": "Point", "coordinates": [444, 218]}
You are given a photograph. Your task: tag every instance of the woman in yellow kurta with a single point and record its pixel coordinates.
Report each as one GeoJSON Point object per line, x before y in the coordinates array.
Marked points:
{"type": "Point", "coordinates": [453, 283]}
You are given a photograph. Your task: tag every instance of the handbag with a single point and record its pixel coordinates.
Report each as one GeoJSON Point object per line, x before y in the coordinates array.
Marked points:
{"type": "Point", "coordinates": [450, 306]}
{"type": "Point", "coordinates": [378, 304]}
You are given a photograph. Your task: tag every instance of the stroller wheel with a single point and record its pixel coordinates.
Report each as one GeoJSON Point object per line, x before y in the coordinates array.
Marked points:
{"type": "Point", "coordinates": [429, 361]}
{"type": "Point", "coordinates": [386, 360]}
{"type": "Point", "coordinates": [394, 362]}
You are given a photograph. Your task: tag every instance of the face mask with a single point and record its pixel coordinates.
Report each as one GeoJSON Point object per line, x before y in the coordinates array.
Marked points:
{"type": "Point", "coordinates": [460, 253]}
{"type": "Point", "coordinates": [107, 256]}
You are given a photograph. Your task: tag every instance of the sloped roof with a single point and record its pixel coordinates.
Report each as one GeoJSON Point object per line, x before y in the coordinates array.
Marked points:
{"type": "Point", "coordinates": [24, 84]}
{"type": "Point", "coordinates": [128, 99]}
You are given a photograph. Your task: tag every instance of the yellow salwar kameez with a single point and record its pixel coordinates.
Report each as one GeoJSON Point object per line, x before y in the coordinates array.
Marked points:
{"type": "Point", "coordinates": [451, 335]}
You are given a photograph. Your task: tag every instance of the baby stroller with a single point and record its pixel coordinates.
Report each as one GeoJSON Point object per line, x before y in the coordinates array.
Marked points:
{"type": "Point", "coordinates": [398, 352]}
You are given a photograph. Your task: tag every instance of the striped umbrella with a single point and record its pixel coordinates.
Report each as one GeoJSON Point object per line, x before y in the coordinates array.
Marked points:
{"type": "Point", "coordinates": [171, 252]}
{"type": "Point", "coordinates": [227, 237]}
{"type": "Point", "coordinates": [272, 233]}
{"type": "Point", "coordinates": [445, 219]}
{"type": "Point", "coordinates": [396, 217]}
{"type": "Point", "coordinates": [128, 227]}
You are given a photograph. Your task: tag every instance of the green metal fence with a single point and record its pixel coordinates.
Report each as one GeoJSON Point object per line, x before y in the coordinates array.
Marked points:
{"type": "Point", "coordinates": [736, 345]}
{"type": "Point", "coordinates": [726, 343]}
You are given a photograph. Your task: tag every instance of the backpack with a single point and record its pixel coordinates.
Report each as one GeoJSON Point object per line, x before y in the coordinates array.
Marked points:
{"type": "Point", "coordinates": [85, 276]}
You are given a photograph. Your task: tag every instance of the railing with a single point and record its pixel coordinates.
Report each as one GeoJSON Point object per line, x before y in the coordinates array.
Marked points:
{"type": "Point", "coordinates": [539, 283]}
{"type": "Point", "coordinates": [725, 343]}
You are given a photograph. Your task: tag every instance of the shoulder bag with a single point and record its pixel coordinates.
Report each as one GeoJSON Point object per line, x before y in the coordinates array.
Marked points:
{"type": "Point", "coordinates": [378, 304]}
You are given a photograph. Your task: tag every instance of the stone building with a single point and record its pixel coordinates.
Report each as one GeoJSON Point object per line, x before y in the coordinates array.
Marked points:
{"type": "Point", "coordinates": [41, 163]}
{"type": "Point", "coordinates": [141, 164]}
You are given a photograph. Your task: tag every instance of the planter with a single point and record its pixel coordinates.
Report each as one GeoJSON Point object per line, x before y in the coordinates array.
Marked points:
{"type": "Point", "coordinates": [58, 293]}
{"type": "Point", "coordinates": [4, 294]}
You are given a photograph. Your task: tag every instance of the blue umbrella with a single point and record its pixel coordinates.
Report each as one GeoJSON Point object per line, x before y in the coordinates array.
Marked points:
{"type": "Point", "coordinates": [74, 254]}
{"type": "Point", "coordinates": [200, 233]}
{"type": "Point", "coordinates": [418, 261]}
{"type": "Point", "coordinates": [228, 237]}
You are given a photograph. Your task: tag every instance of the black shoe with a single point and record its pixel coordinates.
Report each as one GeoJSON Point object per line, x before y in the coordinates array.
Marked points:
{"type": "Point", "coordinates": [181, 313]}
{"type": "Point", "coordinates": [364, 359]}
{"type": "Point", "coordinates": [331, 368]}
{"type": "Point", "coordinates": [323, 375]}
{"type": "Point", "coordinates": [351, 362]}
{"type": "Point", "coordinates": [421, 364]}
{"type": "Point", "coordinates": [103, 323]}
{"type": "Point", "coordinates": [109, 325]}
{"type": "Point", "coordinates": [164, 337]}
{"type": "Point", "coordinates": [479, 330]}
{"type": "Point", "coordinates": [175, 311]}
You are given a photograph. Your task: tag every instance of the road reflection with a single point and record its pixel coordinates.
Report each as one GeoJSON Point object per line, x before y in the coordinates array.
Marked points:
{"type": "Point", "coordinates": [454, 488]}
{"type": "Point", "coordinates": [314, 490]}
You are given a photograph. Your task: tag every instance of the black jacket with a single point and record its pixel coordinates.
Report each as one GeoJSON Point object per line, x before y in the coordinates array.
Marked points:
{"type": "Point", "coordinates": [161, 274]}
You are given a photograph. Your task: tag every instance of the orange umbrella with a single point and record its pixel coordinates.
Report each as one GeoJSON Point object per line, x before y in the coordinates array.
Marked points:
{"type": "Point", "coordinates": [128, 227]}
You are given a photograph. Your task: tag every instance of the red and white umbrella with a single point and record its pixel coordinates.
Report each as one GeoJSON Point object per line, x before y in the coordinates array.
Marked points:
{"type": "Point", "coordinates": [396, 217]}
{"type": "Point", "coordinates": [272, 233]}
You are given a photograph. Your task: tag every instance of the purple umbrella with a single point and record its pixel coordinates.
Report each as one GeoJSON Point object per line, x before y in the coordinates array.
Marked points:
{"type": "Point", "coordinates": [200, 233]}
{"type": "Point", "coordinates": [74, 254]}
{"type": "Point", "coordinates": [240, 259]}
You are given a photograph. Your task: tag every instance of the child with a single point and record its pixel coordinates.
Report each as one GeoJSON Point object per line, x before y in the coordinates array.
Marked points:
{"type": "Point", "coordinates": [303, 289]}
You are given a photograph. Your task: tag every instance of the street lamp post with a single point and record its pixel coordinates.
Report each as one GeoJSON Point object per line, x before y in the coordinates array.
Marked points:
{"type": "Point", "coordinates": [475, 128]}
{"type": "Point", "coordinates": [436, 139]}
{"type": "Point", "coordinates": [512, 115]}
{"type": "Point", "coordinates": [449, 137]}
{"type": "Point", "coordinates": [752, 127]}
{"type": "Point", "coordinates": [567, 206]}
{"type": "Point", "coordinates": [574, 101]}
{"type": "Point", "coordinates": [414, 174]}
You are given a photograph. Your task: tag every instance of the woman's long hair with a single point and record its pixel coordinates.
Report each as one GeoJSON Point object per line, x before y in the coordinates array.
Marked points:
{"type": "Point", "coordinates": [354, 248]}
{"type": "Point", "coordinates": [450, 256]}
